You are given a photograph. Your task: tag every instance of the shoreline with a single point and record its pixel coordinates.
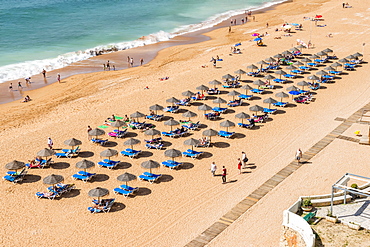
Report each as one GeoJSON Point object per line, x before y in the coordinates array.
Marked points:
{"type": "Point", "coordinates": [118, 58]}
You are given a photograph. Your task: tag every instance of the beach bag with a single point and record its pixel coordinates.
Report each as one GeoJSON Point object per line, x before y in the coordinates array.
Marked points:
{"type": "Point", "coordinates": [245, 159]}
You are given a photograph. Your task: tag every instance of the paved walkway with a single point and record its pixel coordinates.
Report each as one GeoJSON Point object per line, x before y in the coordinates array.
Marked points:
{"type": "Point", "coordinates": [216, 228]}
{"type": "Point", "coordinates": [357, 212]}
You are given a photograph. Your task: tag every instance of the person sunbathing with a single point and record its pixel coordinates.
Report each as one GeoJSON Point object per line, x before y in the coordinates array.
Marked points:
{"type": "Point", "coordinates": [126, 119]}
{"type": "Point", "coordinates": [112, 118]}
{"type": "Point", "coordinates": [152, 113]}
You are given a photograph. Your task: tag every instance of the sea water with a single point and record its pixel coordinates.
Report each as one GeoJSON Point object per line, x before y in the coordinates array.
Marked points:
{"type": "Point", "coordinates": [52, 34]}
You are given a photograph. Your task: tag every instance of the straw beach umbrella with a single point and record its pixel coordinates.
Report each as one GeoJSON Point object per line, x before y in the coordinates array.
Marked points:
{"type": "Point", "coordinates": [14, 165]}
{"type": "Point", "coordinates": [109, 153]}
{"type": "Point", "coordinates": [278, 56]}
{"type": "Point", "coordinates": [313, 78]}
{"type": "Point", "coordinates": [172, 100]}
{"type": "Point", "coordinates": [204, 108]}
{"type": "Point", "coordinates": [84, 164]}
{"type": "Point", "coordinates": [126, 177]}
{"type": "Point", "coordinates": [98, 192]}
{"type": "Point", "coordinates": [171, 122]}
{"type": "Point", "coordinates": [187, 93]}
{"type": "Point", "coordinates": [53, 179]}
{"type": "Point", "coordinates": [269, 78]}
{"type": "Point", "coordinates": [303, 84]}
{"type": "Point", "coordinates": [156, 108]}
{"type": "Point", "coordinates": [96, 132]}
{"type": "Point", "coordinates": [227, 124]}
{"type": "Point", "coordinates": [131, 142]}
{"type": "Point", "coordinates": [327, 50]}
{"type": "Point", "coordinates": [117, 124]}
{"type": "Point", "coordinates": [321, 73]}
{"type": "Point", "coordinates": [150, 164]}
{"type": "Point", "coordinates": [202, 88]}
{"type": "Point", "coordinates": [270, 59]}
{"type": "Point", "coordinates": [215, 83]}
{"type": "Point", "coordinates": [252, 67]}
{"type": "Point", "coordinates": [152, 132]}
{"type": "Point", "coordinates": [172, 153]}
{"type": "Point", "coordinates": [298, 63]}
{"type": "Point", "coordinates": [137, 115]}
{"type": "Point", "coordinates": [259, 83]}
{"type": "Point", "coordinates": [191, 142]}
{"type": "Point", "coordinates": [336, 65]}
{"type": "Point", "coordinates": [280, 73]}
{"type": "Point", "coordinates": [45, 152]}
{"type": "Point", "coordinates": [242, 116]}
{"type": "Point", "coordinates": [228, 77]}
{"type": "Point", "coordinates": [189, 114]}
{"type": "Point", "coordinates": [270, 101]}
{"type": "Point", "coordinates": [246, 87]}
{"type": "Point", "coordinates": [72, 142]}
{"type": "Point", "coordinates": [233, 93]}
{"type": "Point", "coordinates": [256, 108]}
{"type": "Point", "coordinates": [209, 133]}
{"type": "Point", "coordinates": [219, 101]}
{"type": "Point", "coordinates": [282, 95]}
{"type": "Point", "coordinates": [240, 72]}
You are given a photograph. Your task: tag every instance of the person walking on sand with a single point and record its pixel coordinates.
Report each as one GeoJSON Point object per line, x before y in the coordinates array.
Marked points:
{"type": "Point", "coordinates": [240, 166]}
{"type": "Point", "coordinates": [267, 25]}
{"type": "Point", "coordinates": [244, 159]}
{"type": "Point", "coordinates": [58, 77]}
{"type": "Point", "coordinates": [213, 168]}
{"type": "Point", "coordinates": [88, 130]}
{"type": "Point", "coordinates": [50, 143]}
{"type": "Point", "coordinates": [132, 62]}
{"type": "Point", "coordinates": [108, 65]}
{"type": "Point", "coordinates": [10, 87]}
{"type": "Point", "coordinates": [298, 155]}
{"type": "Point", "coordinates": [141, 61]}
{"type": "Point", "coordinates": [224, 173]}
{"type": "Point", "coordinates": [20, 85]}
{"type": "Point", "coordinates": [44, 73]}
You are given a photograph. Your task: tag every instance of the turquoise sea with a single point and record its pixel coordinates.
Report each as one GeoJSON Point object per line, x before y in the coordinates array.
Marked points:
{"type": "Point", "coordinates": [52, 34]}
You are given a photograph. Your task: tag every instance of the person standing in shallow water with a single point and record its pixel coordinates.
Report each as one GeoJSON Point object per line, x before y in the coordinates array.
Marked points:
{"type": "Point", "coordinates": [58, 77]}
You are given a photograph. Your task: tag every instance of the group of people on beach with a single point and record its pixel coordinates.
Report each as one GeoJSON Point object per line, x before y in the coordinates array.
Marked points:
{"type": "Point", "coordinates": [242, 163]}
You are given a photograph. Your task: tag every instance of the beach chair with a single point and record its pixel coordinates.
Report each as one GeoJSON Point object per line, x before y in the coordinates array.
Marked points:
{"type": "Point", "coordinates": [212, 115]}
{"type": "Point", "coordinates": [16, 178]}
{"type": "Point", "coordinates": [154, 146]}
{"type": "Point", "coordinates": [171, 164]}
{"type": "Point", "coordinates": [304, 67]}
{"type": "Point", "coordinates": [40, 163]}
{"type": "Point", "coordinates": [14, 173]}
{"type": "Point", "coordinates": [98, 141]}
{"type": "Point", "coordinates": [150, 177]}
{"type": "Point", "coordinates": [129, 188]}
{"type": "Point", "coordinates": [84, 176]}
{"type": "Point", "coordinates": [154, 117]}
{"type": "Point", "coordinates": [235, 103]}
{"type": "Point", "coordinates": [297, 71]}
{"type": "Point", "coordinates": [61, 188]}
{"type": "Point", "coordinates": [232, 85]}
{"type": "Point", "coordinates": [290, 76]}
{"type": "Point", "coordinates": [154, 141]}
{"type": "Point", "coordinates": [131, 153]}
{"type": "Point", "coordinates": [110, 164]}
{"type": "Point", "coordinates": [123, 192]}
{"type": "Point", "coordinates": [171, 109]}
{"type": "Point", "coordinates": [280, 104]}
{"type": "Point", "coordinates": [219, 109]}
{"type": "Point", "coordinates": [169, 134]}
{"type": "Point", "coordinates": [256, 90]}
{"type": "Point", "coordinates": [183, 102]}
{"type": "Point", "coordinates": [269, 111]}
{"type": "Point", "coordinates": [315, 86]}
{"type": "Point", "coordinates": [247, 126]}
{"type": "Point", "coordinates": [279, 80]}
{"type": "Point", "coordinates": [65, 155]}
{"type": "Point", "coordinates": [199, 97]}
{"type": "Point", "coordinates": [191, 153]}
{"type": "Point", "coordinates": [118, 134]}
{"type": "Point", "coordinates": [75, 151]}
{"type": "Point", "coordinates": [213, 91]}
{"type": "Point", "coordinates": [102, 208]}
{"type": "Point", "coordinates": [253, 73]}
{"type": "Point", "coordinates": [312, 64]}
{"type": "Point", "coordinates": [226, 134]}
{"type": "Point", "coordinates": [48, 195]}
{"type": "Point", "coordinates": [191, 126]}
{"type": "Point", "coordinates": [244, 96]}
{"type": "Point", "coordinates": [203, 145]}
{"type": "Point", "coordinates": [267, 86]}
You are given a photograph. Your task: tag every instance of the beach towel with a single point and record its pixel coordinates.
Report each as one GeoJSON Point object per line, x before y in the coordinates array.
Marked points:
{"type": "Point", "coordinates": [103, 126]}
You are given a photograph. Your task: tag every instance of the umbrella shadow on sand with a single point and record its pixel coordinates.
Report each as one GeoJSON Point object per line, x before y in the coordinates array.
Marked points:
{"type": "Point", "coordinates": [186, 166]}
{"type": "Point", "coordinates": [72, 193]}
{"type": "Point", "coordinates": [100, 178]}
{"type": "Point", "coordinates": [31, 178]}
{"type": "Point", "coordinates": [205, 155]}
{"type": "Point", "coordinates": [60, 165]}
{"type": "Point", "coordinates": [239, 136]}
{"type": "Point", "coordinates": [117, 206]}
{"type": "Point", "coordinates": [202, 126]}
{"type": "Point", "coordinates": [221, 144]}
{"type": "Point", "coordinates": [250, 166]}
{"type": "Point", "coordinates": [145, 154]}
{"type": "Point", "coordinates": [143, 191]}
{"type": "Point", "coordinates": [165, 178]}
{"type": "Point", "coordinates": [110, 144]}
{"type": "Point", "coordinates": [123, 165]}
{"type": "Point", "coordinates": [166, 144]}
{"type": "Point", "coordinates": [85, 154]}
{"type": "Point", "coordinates": [131, 134]}
{"type": "Point", "coordinates": [229, 111]}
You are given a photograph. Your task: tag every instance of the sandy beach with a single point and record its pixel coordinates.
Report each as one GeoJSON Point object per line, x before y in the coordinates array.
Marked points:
{"type": "Point", "coordinates": [187, 201]}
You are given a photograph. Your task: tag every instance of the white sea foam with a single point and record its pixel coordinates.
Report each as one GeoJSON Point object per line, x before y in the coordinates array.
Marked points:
{"type": "Point", "coordinates": [29, 68]}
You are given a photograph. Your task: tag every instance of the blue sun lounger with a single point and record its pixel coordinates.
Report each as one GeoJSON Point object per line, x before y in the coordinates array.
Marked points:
{"type": "Point", "coordinates": [98, 141]}
{"type": "Point", "coordinates": [172, 109]}
{"type": "Point", "coordinates": [191, 153]}
{"type": "Point", "coordinates": [225, 134]}
{"type": "Point", "coordinates": [84, 176]}
{"type": "Point", "coordinates": [312, 64]}
{"type": "Point", "coordinates": [154, 146]}
{"type": "Point", "coordinates": [16, 178]}
{"type": "Point", "coordinates": [244, 96]}
{"type": "Point", "coordinates": [281, 104]}
{"type": "Point", "coordinates": [256, 90]}
{"type": "Point", "coordinates": [154, 117]}
{"type": "Point", "coordinates": [64, 155]}
{"type": "Point", "coordinates": [129, 188]}
{"type": "Point", "coordinates": [244, 125]}
{"type": "Point", "coordinates": [48, 195]}
{"type": "Point", "coordinates": [279, 80]}
{"type": "Point", "coordinates": [289, 76]}
{"type": "Point", "coordinates": [219, 109]}
{"type": "Point", "coordinates": [171, 164]}
{"type": "Point", "coordinates": [123, 192]}
{"type": "Point", "coordinates": [169, 134]}
{"type": "Point", "coordinates": [102, 208]}
{"type": "Point", "coordinates": [110, 164]}
{"type": "Point", "coordinates": [150, 177]}
{"type": "Point", "coordinates": [304, 67]}
{"type": "Point", "coordinates": [270, 111]}
{"type": "Point", "coordinates": [130, 153]}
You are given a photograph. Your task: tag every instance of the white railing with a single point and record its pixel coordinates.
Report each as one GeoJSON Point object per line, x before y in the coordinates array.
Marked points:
{"type": "Point", "coordinates": [297, 223]}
